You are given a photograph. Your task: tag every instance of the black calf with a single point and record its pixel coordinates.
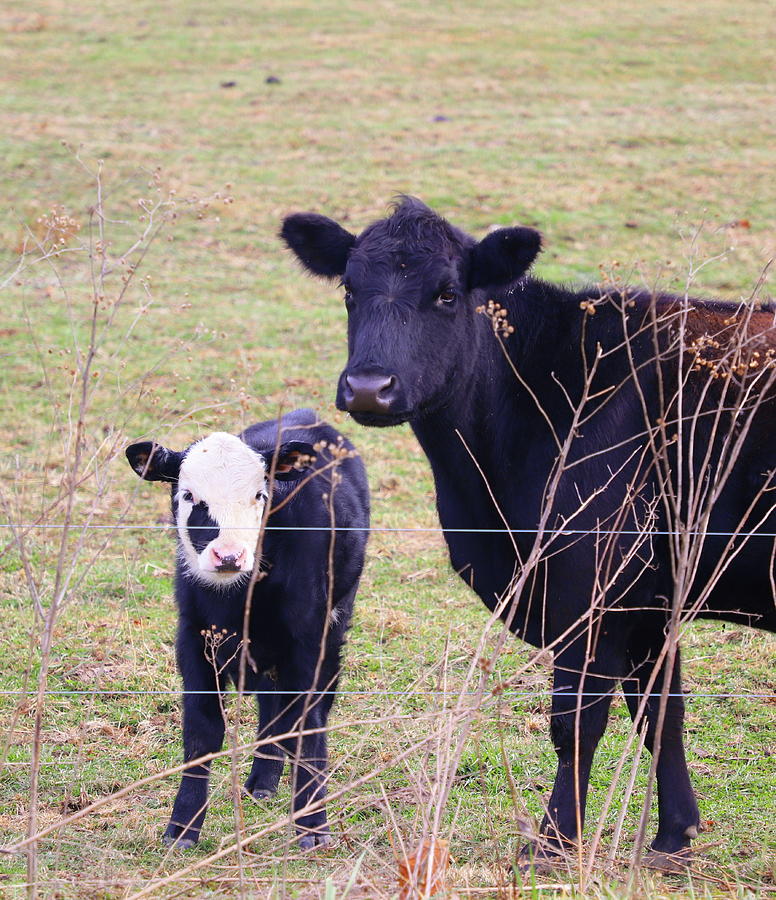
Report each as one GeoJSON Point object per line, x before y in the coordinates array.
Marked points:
{"type": "Point", "coordinates": [299, 610]}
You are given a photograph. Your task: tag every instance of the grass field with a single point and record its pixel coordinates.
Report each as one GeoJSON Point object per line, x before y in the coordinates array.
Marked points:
{"type": "Point", "coordinates": [638, 138]}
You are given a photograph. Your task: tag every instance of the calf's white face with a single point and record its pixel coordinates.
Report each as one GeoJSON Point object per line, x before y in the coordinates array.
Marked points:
{"type": "Point", "coordinates": [219, 493]}
{"type": "Point", "coordinates": [220, 500]}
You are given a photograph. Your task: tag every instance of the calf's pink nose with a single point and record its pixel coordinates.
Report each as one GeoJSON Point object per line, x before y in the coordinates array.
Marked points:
{"type": "Point", "coordinates": [227, 558]}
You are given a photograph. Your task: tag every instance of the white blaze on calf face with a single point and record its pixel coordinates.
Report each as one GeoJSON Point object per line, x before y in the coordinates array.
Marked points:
{"type": "Point", "coordinates": [229, 478]}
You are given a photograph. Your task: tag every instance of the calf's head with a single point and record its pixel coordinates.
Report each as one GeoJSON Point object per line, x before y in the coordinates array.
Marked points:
{"type": "Point", "coordinates": [412, 283]}
{"type": "Point", "coordinates": [219, 491]}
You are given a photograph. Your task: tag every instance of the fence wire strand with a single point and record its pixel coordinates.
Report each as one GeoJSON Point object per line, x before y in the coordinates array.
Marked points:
{"type": "Point", "coordinates": [379, 693]}
{"type": "Point", "coordinates": [569, 532]}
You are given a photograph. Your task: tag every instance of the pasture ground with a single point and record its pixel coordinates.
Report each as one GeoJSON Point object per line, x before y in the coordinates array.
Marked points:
{"type": "Point", "coordinates": [638, 138]}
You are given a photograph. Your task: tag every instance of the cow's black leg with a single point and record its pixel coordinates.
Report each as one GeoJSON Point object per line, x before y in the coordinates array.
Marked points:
{"type": "Point", "coordinates": [580, 708]}
{"type": "Point", "coordinates": [268, 759]}
{"type": "Point", "coordinates": [203, 733]}
{"type": "Point", "coordinates": [678, 817]}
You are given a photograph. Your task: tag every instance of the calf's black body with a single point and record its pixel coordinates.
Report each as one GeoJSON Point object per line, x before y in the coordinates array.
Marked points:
{"type": "Point", "coordinates": [299, 612]}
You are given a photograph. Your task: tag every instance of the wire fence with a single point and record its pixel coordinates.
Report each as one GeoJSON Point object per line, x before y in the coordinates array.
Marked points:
{"type": "Point", "coordinates": [751, 695]}
{"type": "Point", "coordinates": [382, 529]}
{"type": "Point", "coordinates": [570, 532]}
{"type": "Point", "coordinates": [397, 693]}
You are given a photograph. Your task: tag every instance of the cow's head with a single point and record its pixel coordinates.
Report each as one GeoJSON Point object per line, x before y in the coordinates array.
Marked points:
{"type": "Point", "coordinates": [219, 491]}
{"type": "Point", "coordinates": [412, 283]}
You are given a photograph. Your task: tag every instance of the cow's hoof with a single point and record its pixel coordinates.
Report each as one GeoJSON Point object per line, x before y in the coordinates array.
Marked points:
{"type": "Point", "coordinates": [541, 860]}
{"type": "Point", "coordinates": [261, 786]}
{"type": "Point", "coordinates": [669, 863]}
{"type": "Point", "coordinates": [313, 841]}
{"type": "Point", "coordinates": [260, 793]}
{"type": "Point", "coordinates": [179, 843]}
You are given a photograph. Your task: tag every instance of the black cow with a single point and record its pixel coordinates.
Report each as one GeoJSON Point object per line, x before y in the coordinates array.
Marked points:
{"type": "Point", "coordinates": [300, 607]}
{"type": "Point", "coordinates": [613, 413]}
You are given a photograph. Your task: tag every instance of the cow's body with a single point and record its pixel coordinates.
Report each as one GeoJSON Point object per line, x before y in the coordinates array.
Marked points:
{"type": "Point", "coordinates": [578, 380]}
{"type": "Point", "coordinates": [495, 412]}
{"type": "Point", "coordinates": [300, 608]}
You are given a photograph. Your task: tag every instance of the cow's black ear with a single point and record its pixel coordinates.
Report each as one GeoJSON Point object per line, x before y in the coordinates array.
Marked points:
{"type": "Point", "coordinates": [321, 245]}
{"type": "Point", "coordinates": [503, 256]}
{"type": "Point", "coordinates": [292, 460]}
{"type": "Point", "coordinates": [153, 462]}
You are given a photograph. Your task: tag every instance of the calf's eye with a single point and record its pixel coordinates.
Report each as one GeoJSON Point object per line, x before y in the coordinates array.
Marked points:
{"type": "Point", "coordinates": [445, 297]}
{"type": "Point", "coordinates": [187, 496]}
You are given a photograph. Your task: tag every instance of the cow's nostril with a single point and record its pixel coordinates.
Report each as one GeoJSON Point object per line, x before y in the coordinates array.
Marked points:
{"type": "Point", "coordinates": [388, 389]}
{"type": "Point", "coordinates": [369, 393]}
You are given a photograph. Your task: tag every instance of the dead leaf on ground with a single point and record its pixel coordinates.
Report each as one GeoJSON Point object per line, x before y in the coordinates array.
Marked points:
{"type": "Point", "coordinates": [423, 872]}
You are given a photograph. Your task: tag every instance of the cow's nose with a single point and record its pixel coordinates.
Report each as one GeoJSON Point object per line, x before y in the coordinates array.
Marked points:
{"type": "Point", "coordinates": [370, 393]}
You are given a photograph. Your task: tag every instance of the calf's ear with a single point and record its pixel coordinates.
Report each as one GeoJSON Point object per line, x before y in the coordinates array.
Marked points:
{"type": "Point", "coordinates": [503, 256]}
{"type": "Point", "coordinates": [321, 245]}
{"type": "Point", "coordinates": [153, 462]}
{"type": "Point", "coordinates": [292, 460]}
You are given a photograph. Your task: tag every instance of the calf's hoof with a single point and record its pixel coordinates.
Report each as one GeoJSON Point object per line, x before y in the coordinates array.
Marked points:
{"type": "Point", "coordinates": [311, 840]}
{"type": "Point", "coordinates": [179, 843]}
{"type": "Point", "coordinates": [670, 863]}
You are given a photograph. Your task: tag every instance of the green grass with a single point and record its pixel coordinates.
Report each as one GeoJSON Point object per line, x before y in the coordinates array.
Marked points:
{"type": "Point", "coordinates": [620, 130]}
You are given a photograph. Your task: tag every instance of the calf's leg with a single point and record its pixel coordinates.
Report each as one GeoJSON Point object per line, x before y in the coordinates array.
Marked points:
{"type": "Point", "coordinates": [269, 757]}
{"type": "Point", "coordinates": [308, 711]}
{"type": "Point", "coordinates": [308, 778]}
{"type": "Point", "coordinates": [203, 733]}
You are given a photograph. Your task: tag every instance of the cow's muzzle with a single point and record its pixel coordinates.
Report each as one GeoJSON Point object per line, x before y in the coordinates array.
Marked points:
{"type": "Point", "coordinates": [375, 393]}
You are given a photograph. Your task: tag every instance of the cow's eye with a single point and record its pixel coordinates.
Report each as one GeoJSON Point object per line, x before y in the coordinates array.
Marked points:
{"type": "Point", "coordinates": [348, 291]}
{"type": "Point", "coordinates": [261, 495]}
{"type": "Point", "coordinates": [187, 496]}
{"type": "Point", "coordinates": [445, 297]}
